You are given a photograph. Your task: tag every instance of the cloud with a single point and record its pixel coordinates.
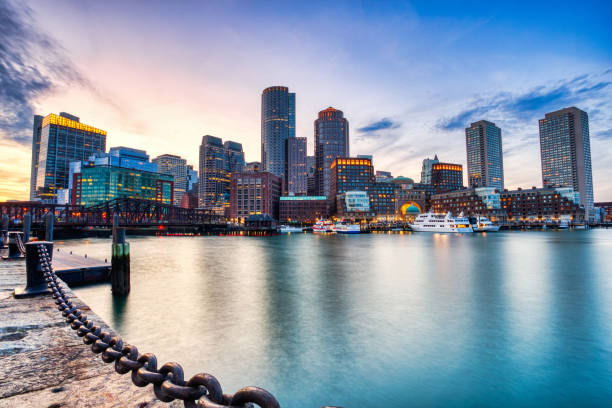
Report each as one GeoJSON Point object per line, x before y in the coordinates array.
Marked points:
{"type": "Point", "coordinates": [382, 124]}
{"type": "Point", "coordinates": [31, 65]}
{"type": "Point", "coordinates": [605, 134]}
{"type": "Point", "coordinates": [530, 104]}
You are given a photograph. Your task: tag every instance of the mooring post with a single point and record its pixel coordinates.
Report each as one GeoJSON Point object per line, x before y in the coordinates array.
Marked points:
{"type": "Point", "coordinates": [35, 284]}
{"type": "Point", "coordinates": [4, 224]}
{"type": "Point", "coordinates": [27, 224]}
{"type": "Point", "coordinates": [120, 261]}
{"type": "Point", "coordinates": [49, 227]}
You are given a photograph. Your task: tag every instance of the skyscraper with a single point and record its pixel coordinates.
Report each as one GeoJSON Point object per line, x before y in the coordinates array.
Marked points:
{"type": "Point", "coordinates": [331, 141]}
{"type": "Point", "coordinates": [277, 125]}
{"type": "Point", "coordinates": [426, 170]}
{"type": "Point", "coordinates": [175, 166]}
{"type": "Point", "coordinates": [36, 132]}
{"type": "Point", "coordinates": [484, 155]}
{"type": "Point", "coordinates": [295, 167]}
{"type": "Point", "coordinates": [63, 139]}
{"type": "Point", "coordinates": [565, 150]}
{"type": "Point", "coordinates": [217, 162]}
{"type": "Point", "coordinates": [447, 177]}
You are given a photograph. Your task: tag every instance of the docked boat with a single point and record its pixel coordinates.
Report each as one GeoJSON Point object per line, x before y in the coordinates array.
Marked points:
{"type": "Point", "coordinates": [288, 228]}
{"type": "Point", "coordinates": [347, 228]}
{"type": "Point", "coordinates": [430, 222]}
{"type": "Point", "coordinates": [323, 227]}
{"type": "Point", "coordinates": [483, 224]}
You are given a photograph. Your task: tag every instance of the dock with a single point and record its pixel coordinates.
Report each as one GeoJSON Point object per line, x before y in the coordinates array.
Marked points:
{"type": "Point", "coordinates": [80, 269]}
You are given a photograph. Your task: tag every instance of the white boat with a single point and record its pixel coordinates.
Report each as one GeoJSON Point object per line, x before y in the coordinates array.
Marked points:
{"type": "Point", "coordinates": [323, 227]}
{"type": "Point", "coordinates": [581, 226]}
{"type": "Point", "coordinates": [483, 224]}
{"type": "Point", "coordinates": [347, 228]}
{"type": "Point", "coordinates": [430, 222]}
{"type": "Point", "coordinates": [289, 228]}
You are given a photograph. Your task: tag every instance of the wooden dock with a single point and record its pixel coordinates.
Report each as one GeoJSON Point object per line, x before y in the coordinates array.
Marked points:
{"type": "Point", "coordinates": [78, 269]}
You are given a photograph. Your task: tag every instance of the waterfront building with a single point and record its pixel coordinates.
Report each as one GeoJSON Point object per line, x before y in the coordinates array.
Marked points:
{"type": "Point", "coordinates": [218, 161]}
{"type": "Point", "coordinates": [541, 205]}
{"type": "Point", "coordinates": [354, 205]}
{"type": "Point", "coordinates": [295, 170]}
{"type": "Point", "coordinates": [254, 193]}
{"type": "Point", "coordinates": [331, 141]}
{"type": "Point", "coordinates": [446, 177]}
{"type": "Point", "coordinates": [277, 125]}
{"type": "Point", "coordinates": [565, 151]}
{"type": "Point", "coordinates": [383, 176]}
{"type": "Point", "coordinates": [427, 169]}
{"type": "Point", "coordinates": [382, 200]}
{"type": "Point", "coordinates": [606, 211]}
{"type": "Point", "coordinates": [302, 209]}
{"type": "Point", "coordinates": [252, 166]}
{"type": "Point", "coordinates": [177, 167]}
{"type": "Point", "coordinates": [122, 173]}
{"type": "Point", "coordinates": [483, 201]}
{"type": "Point", "coordinates": [411, 198]}
{"type": "Point", "coordinates": [61, 140]}
{"type": "Point", "coordinates": [36, 133]}
{"type": "Point", "coordinates": [485, 162]}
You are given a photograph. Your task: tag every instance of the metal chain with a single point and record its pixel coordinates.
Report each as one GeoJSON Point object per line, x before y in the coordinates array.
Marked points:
{"type": "Point", "coordinates": [202, 390]}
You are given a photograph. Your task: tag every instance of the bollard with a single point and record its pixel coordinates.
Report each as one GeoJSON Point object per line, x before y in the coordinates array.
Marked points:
{"type": "Point", "coordinates": [27, 224]}
{"type": "Point", "coordinates": [13, 247]}
{"type": "Point", "coordinates": [49, 227]}
{"type": "Point", "coordinates": [35, 284]}
{"type": "Point", "coordinates": [4, 224]}
{"type": "Point", "coordinates": [120, 261]}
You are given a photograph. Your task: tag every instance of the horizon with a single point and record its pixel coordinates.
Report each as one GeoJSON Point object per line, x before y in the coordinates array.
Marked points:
{"type": "Point", "coordinates": [143, 74]}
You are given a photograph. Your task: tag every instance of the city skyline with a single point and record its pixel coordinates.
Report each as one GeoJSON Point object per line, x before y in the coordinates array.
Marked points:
{"type": "Point", "coordinates": [400, 119]}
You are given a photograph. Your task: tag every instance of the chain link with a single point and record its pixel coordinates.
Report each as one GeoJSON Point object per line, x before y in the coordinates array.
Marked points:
{"type": "Point", "coordinates": [202, 390]}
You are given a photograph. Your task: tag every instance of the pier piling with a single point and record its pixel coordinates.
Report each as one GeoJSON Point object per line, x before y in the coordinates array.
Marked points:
{"type": "Point", "coordinates": [120, 261]}
{"type": "Point", "coordinates": [4, 224]}
{"type": "Point", "coordinates": [27, 226]}
{"type": "Point", "coordinates": [49, 227]}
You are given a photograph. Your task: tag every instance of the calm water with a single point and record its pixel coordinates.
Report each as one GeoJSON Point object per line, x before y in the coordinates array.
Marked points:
{"type": "Point", "coordinates": [505, 319]}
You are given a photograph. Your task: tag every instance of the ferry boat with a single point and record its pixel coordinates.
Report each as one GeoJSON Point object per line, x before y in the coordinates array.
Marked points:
{"type": "Point", "coordinates": [288, 228]}
{"type": "Point", "coordinates": [430, 222]}
{"type": "Point", "coordinates": [323, 226]}
{"type": "Point", "coordinates": [347, 228]}
{"type": "Point", "coordinates": [483, 224]}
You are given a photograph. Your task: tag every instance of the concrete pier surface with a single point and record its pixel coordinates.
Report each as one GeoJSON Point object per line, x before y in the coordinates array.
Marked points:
{"type": "Point", "coordinates": [43, 363]}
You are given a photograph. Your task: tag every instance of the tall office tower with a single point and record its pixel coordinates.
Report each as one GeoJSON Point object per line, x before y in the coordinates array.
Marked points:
{"type": "Point", "coordinates": [295, 167]}
{"type": "Point", "coordinates": [176, 167]}
{"type": "Point", "coordinates": [310, 176]}
{"type": "Point", "coordinates": [36, 131]}
{"type": "Point", "coordinates": [192, 178]}
{"type": "Point", "coordinates": [63, 139]}
{"type": "Point", "coordinates": [426, 170]}
{"type": "Point", "coordinates": [331, 141]}
{"type": "Point", "coordinates": [484, 155]}
{"type": "Point", "coordinates": [447, 177]}
{"type": "Point", "coordinates": [565, 150]}
{"type": "Point", "coordinates": [277, 125]}
{"type": "Point", "coordinates": [217, 162]}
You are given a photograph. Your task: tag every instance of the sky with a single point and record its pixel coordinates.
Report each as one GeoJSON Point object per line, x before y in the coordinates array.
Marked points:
{"type": "Point", "coordinates": [409, 76]}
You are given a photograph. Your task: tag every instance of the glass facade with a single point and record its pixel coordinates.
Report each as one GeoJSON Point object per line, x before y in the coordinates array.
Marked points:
{"type": "Point", "coordinates": [277, 125]}
{"type": "Point", "coordinates": [447, 177]}
{"type": "Point", "coordinates": [62, 141]}
{"type": "Point", "coordinates": [484, 155]}
{"type": "Point", "coordinates": [565, 151]}
{"type": "Point", "coordinates": [296, 171]}
{"type": "Point", "coordinates": [176, 167]}
{"type": "Point", "coordinates": [331, 142]}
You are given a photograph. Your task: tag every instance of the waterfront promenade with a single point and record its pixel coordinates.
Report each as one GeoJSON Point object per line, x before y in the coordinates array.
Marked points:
{"type": "Point", "coordinates": [45, 364]}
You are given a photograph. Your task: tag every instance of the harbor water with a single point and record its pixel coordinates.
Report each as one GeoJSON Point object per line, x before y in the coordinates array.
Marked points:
{"type": "Point", "coordinates": [508, 319]}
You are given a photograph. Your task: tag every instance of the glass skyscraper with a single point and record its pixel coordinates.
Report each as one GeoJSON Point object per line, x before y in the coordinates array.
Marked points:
{"type": "Point", "coordinates": [57, 141]}
{"type": "Point", "coordinates": [296, 171]}
{"type": "Point", "coordinates": [331, 141]}
{"type": "Point", "coordinates": [277, 125]}
{"type": "Point", "coordinates": [177, 167]}
{"type": "Point", "coordinates": [565, 150]}
{"type": "Point", "coordinates": [484, 155]}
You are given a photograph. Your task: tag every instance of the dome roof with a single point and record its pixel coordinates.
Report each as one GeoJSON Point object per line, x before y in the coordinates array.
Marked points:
{"type": "Point", "coordinates": [412, 210]}
{"type": "Point", "coordinates": [402, 179]}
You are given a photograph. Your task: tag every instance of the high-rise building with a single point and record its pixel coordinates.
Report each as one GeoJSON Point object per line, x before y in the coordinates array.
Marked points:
{"type": "Point", "coordinates": [426, 170]}
{"type": "Point", "coordinates": [331, 141]}
{"type": "Point", "coordinates": [383, 176]}
{"type": "Point", "coordinates": [63, 139]}
{"type": "Point", "coordinates": [485, 162]}
{"type": "Point", "coordinates": [177, 167]}
{"type": "Point", "coordinates": [36, 132]}
{"type": "Point", "coordinates": [217, 162]}
{"type": "Point", "coordinates": [565, 150]}
{"type": "Point", "coordinates": [310, 176]}
{"type": "Point", "coordinates": [295, 166]}
{"type": "Point", "coordinates": [446, 177]}
{"type": "Point", "coordinates": [277, 125]}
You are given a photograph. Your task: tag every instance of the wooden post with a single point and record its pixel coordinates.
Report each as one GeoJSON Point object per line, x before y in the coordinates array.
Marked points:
{"type": "Point", "coordinates": [120, 261]}
{"type": "Point", "coordinates": [27, 223]}
{"type": "Point", "coordinates": [49, 227]}
{"type": "Point", "coordinates": [4, 225]}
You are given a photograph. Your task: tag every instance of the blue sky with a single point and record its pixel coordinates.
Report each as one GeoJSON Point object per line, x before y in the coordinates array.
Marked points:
{"type": "Point", "coordinates": [409, 76]}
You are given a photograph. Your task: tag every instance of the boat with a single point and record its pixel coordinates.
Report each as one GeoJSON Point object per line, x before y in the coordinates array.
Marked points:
{"type": "Point", "coordinates": [345, 227]}
{"type": "Point", "coordinates": [581, 226]}
{"type": "Point", "coordinates": [564, 223]}
{"type": "Point", "coordinates": [431, 222]}
{"type": "Point", "coordinates": [483, 224]}
{"type": "Point", "coordinates": [323, 227]}
{"type": "Point", "coordinates": [288, 228]}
